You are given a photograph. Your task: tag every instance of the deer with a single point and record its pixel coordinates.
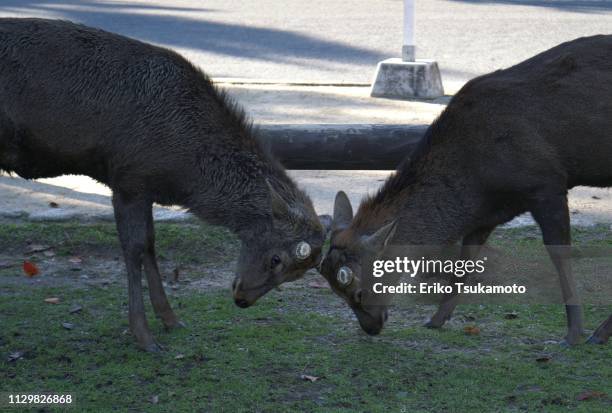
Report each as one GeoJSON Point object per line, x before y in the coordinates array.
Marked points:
{"type": "Point", "coordinates": [509, 142]}
{"type": "Point", "coordinates": [147, 123]}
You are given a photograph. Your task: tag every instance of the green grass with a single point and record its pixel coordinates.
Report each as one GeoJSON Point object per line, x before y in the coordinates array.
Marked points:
{"type": "Point", "coordinates": [236, 360]}
{"type": "Point", "coordinates": [251, 360]}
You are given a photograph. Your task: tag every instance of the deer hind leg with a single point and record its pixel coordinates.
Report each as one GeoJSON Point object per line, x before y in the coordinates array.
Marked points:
{"type": "Point", "coordinates": [162, 308]}
{"type": "Point", "coordinates": [472, 243]}
{"type": "Point", "coordinates": [603, 333]}
{"type": "Point", "coordinates": [552, 215]}
{"type": "Point", "coordinates": [131, 217]}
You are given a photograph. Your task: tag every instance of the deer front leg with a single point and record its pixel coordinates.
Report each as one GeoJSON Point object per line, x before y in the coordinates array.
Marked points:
{"type": "Point", "coordinates": [552, 215]}
{"type": "Point", "coordinates": [162, 308]}
{"type": "Point", "coordinates": [471, 245]}
{"type": "Point", "coordinates": [131, 219]}
{"type": "Point", "coordinates": [603, 333]}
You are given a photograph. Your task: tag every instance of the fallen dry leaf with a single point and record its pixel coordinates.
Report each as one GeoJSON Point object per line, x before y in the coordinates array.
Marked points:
{"type": "Point", "coordinates": [75, 260]}
{"type": "Point", "coordinates": [311, 379]}
{"type": "Point", "coordinates": [471, 330]}
{"type": "Point", "coordinates": [52, 300]}
{"type": "Point", "coordinates": [33, 248]}
{"type": "Point", "coordinates": [526, 388]}
{"type": "Point", "coordinates": [5, 264]}
{"type": "Point", "coordinates": [15, 355]}
{"type": "Point", "coordinates": [30, 269]}
{"type": "Point", "coordinates": [316, 284]}
{"type": "Point", "coordinates": [68, 326]}
{"type": "Point", "coordinates": [75, 309]}
{"type": "Point", "coordinates": [588, 395]}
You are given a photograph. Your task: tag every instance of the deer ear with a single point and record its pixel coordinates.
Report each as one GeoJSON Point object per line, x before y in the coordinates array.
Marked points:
{"type": "Point", "coordinates": [343, 211]}
{"type": "Point", "coordinates": [382, 237]}
{"type": "Point", "coordinates": [279, 205]}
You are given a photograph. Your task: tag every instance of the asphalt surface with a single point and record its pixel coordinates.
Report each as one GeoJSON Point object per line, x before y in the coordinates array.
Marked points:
{"type": "Point", "coordinates": [335, 40]}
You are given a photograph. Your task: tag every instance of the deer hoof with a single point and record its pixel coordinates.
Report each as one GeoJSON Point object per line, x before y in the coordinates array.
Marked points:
{"type": "Point", "coordinates": [433, 324]}
{"type": "Point", "coordinates": [176, 324]}
{"type": "Point", "coordinates": [153, 348]}
{"type": "Point", "coordinates": [568, 342]}
{"type": "Point", "coordinates": [595, 340]}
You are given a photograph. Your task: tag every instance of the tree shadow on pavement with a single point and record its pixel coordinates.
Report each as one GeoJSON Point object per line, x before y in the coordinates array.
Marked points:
{"type": "Point", "coordinates": [580, 6]}
{"type": "Point", "coordinates": [187, 28]}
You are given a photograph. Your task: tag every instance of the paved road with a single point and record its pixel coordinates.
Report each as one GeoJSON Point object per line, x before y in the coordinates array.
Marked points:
{"type": "Point", "coordinates": [79, 197]}
{"type": "Point", "coordinates": [335, 40]}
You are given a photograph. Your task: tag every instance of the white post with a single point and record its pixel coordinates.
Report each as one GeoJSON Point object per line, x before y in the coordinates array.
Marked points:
{"type": "Point", "coordinates": [405, 77]}
{"type": "Point", "coordinates": [408, 48]}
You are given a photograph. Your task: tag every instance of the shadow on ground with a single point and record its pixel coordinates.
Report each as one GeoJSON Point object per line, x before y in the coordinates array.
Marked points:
{"type": "Point", "coordinates": [576, 6]}
{"type": "Point", "coordinates": [184, 27]}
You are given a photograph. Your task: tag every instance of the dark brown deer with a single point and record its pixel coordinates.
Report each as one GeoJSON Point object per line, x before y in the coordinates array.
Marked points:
{"type": "Point", "coordinates": [147, 123]}
{"type": "Point", "coordinates": [509, 142]}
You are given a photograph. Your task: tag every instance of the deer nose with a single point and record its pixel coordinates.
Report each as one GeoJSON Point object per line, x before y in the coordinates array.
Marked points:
{"type": "Point", "coordinates": [241, 302]}
{"type": "Point", "coordinates": [238, 297]}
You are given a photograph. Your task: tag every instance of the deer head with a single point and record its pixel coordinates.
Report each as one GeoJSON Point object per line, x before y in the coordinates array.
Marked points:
{"type": "Point", "coordinates": [346, 265]}
{"type": "Point", "coordinates": [279, 252]}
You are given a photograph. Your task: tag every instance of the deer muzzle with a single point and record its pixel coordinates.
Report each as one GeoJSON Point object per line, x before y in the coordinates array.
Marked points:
{"type": "Point", "coordinates": [246, 297]}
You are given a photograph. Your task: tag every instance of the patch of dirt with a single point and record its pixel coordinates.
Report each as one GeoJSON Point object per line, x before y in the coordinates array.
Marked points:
{"type": "Point", "coordinates": [310, 294]}
{"type": "Point", "coordinates": [104, 270]}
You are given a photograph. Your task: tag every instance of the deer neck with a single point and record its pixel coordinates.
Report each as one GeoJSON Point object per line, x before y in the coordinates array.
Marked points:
{"type": "Point", "coordinates": [234, 193]}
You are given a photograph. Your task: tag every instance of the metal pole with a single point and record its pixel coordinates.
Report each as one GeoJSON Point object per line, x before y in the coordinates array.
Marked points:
{"type": "Point", "coordinates": [408, 48]}
{"type": "Point", "coordinates": [351, 146]}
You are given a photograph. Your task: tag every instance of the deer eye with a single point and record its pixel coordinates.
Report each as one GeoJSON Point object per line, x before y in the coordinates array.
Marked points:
{"type": "Point", "coordinates": [344, 276]}
{"type": "Point", "coordinates": [275, 261]}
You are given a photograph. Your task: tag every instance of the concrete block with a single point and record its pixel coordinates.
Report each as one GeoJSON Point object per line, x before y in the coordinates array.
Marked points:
{"type": "Point", "coordinates": [397, 79]}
